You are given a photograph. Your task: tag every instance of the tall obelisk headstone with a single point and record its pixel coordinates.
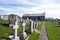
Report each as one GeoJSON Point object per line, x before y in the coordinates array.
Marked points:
{"type": "Point", "coordinates": [34, 25]}
{"type": "Point", "coordinates": [31, 26]}
{"type": "Point", "coordinates": [37, 23]}
{"type": "Point", "coordinates": [23, 35]}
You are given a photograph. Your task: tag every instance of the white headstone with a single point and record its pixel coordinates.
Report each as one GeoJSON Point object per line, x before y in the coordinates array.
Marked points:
{"type": "Point", "coordinates": [15, 27]}
{"type": "Point", "coordinates": [31, 26]}
{"type": "Point", "coordinates": [23, 35]}
{"type": "Point", "coordinates": [34, 26]}
{"type": "Point", "coordinates": [27, 18]}
{"type": "Point", "coordinates": [37, 23]}
{"type": "Point", "coordinates": [23, 27]}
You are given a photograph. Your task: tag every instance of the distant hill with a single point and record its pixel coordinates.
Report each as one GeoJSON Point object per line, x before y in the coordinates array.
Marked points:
{"type": "Point", "coordinates": [49, 19]}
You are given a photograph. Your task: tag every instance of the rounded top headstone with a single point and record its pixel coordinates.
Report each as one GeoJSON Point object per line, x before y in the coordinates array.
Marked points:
{"type": "Point", "coordinates": [27, 18]}
{"type": "Point", "coordinates": [21, 20]}
{"type": "Point", "coordinates": [30, 19]}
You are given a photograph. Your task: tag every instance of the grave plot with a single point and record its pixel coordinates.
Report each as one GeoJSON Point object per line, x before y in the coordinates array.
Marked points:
{"type": "Point", "coordinates": [57, 22]}
{"type": "Point", "coordinates": [17, 31]}
{"type": "Point", "coordinates": [5, 31]}
{"type": "Point", "coordinates": [53, 32]}
{"type": "Point", "coordinates": [15, 27]}
{"type": "Point", "coordinates": [23, 34]}
{"type": "Point", "coordinates": [30, 30]}
{"type": "Point", "coordinates": [40, 25]}
{"type": "Point", "coordinates": [36, 35]}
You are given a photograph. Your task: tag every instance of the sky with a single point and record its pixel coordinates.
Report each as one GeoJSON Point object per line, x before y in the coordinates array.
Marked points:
{"type": "Point", "coordinates": [20, 7]}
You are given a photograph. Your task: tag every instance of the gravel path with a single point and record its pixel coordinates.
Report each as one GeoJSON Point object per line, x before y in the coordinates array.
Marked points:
{"type": "Point", "coordinates": [43, 35]}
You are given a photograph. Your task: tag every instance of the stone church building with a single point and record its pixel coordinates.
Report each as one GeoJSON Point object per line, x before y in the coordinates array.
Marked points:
{"type": "Point", "coordinates": [39, 17]}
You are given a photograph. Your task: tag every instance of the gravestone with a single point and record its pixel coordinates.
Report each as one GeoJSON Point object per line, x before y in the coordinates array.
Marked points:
{"type": "Point", "coordinates": [12, 20]}
{"type": "Point", "coordinates": [31, 26]}
{"type": "Point", "coordinates": [30, 30]}
{"type": "Point", "coordinates": [27, 18]}
{"type": "Point", "coordinates": [23, 35]}
{"type": "Point", "coordinates": [57, 22]}
{"type": "Point", "coordinates": [34, 25]}
{"type": "Point", "coordinates": [15, 27]}
{"type": "Point", "coordinates": [37, 23]}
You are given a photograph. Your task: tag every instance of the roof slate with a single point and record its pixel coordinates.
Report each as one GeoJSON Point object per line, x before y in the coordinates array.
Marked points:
{"type": "Point", "coordinates": [41, 14]}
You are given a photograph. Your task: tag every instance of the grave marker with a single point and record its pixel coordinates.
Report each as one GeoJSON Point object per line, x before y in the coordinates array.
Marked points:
{"type": "Point", "coordinates": [23, 35]}
{"type": "Point", "coordinates": [12, 20]}
{"type": "Point", "coordinates": [31, 26]}
{"type": "Point", "coordinates": [37, 23]}
{"type": "Point", "coordinates": [34, 26]}
{"type": "Point", "coordinates": [15, 27]}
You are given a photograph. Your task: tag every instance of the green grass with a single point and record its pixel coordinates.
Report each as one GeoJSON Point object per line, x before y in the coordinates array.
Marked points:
{"type": "Point", "coordinates": [53, 31]}
{"type": "Point", "coordinates": [40, 26]}
{"type": "Point", "coordinates": [34, 36]}
{"type": "Point", "coordinates": [27, 25]}
{"type": "Point", "coordinates": [5, 31]}
{"type": "Point", "coordinates": [4, 21]}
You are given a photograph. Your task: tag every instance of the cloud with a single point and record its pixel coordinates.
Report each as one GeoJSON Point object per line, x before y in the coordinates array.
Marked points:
{"type": "Point", "coordinates": [20, 7]}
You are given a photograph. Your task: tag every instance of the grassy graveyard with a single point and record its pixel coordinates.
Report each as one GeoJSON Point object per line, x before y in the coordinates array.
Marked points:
{"type": "Point", "coordinates": [57, 22]}
{"type": "Point", "coordinates": [5, 31]}
{"type": "Point", "coordinates": [40, 26]}
{"type": "Point", "coordinates": [35, 36]}
{"type": "Point", "coordinates": [53, 31]}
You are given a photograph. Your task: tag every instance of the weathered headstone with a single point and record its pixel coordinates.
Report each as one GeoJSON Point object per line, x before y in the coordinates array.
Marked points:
{"type": "Point", "coordinates": [23, 35]}
{"type": "Point", "coordinates": [12, 20]}
{"type": "Point", "coordinates": [34, 25]}
{"type": "Point", "coordinates": [30, 30]}
{"type": "Point", "coordinates": [27, 18]}
{"type": "Point", "coordinates": [31, 26]}
{"type": "Point", "coordinates": [37, 23]}
{"type": "Point", "coordinates": [15, 27]}
{"type": "Point", "coordinates": [57, 22]}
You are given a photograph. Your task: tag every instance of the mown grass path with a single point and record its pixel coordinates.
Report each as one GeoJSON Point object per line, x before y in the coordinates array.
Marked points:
{"type": "Point", "coordinates": [43, 33]}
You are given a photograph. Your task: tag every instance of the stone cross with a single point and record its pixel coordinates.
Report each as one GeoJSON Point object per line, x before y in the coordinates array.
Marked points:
{"type": "Point", "coordinates": [15, 27]}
